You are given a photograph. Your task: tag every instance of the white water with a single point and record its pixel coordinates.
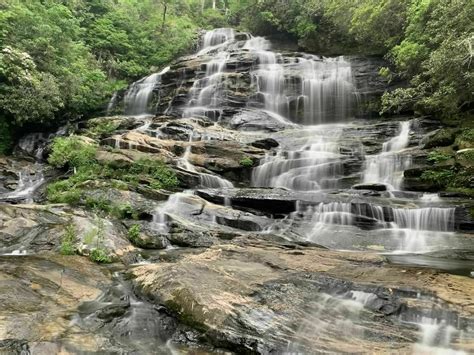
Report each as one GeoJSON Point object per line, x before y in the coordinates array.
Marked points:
{"type": "Point", "coordinates": [310, 162]}
{"type": "Point", "coordinates": [206, 180]}
{"type": "Point", "coordinates": [388, 166]}
{"type": "Point", "coordinates": [216, 38]}
{"type": "Point", "coordinates": [420, 224]}
{"type": "Point", "coordinates": [414, 227]}
{"type": "Point", "coordinates": [308, 90]}
{"type": "Point", "coordinates": [112, 103]}
{"type": "Point", "coordinates": [139, 94]}
{"type": "Point", "coordinates": [28, 183]}
{"type": "Point", "coordinates": [436, 337]}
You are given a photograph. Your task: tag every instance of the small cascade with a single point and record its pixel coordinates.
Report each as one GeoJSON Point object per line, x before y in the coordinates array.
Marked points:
{"type": "Point", "coordinates": [332, 213]}
{"type": "Point", "coordinates": [172, 205]}
{"type": "Point", "coordinates": [418, 225]}
{"type": "Point", "coordinates": [436, 336]}
{"type": "Point", "coordinates": [112, 103]}
{"type": "Point", "coordinates": [428, 218]}
{"type": "Point", "coordinates": [308, 89]}
{"type": "Point", "coordinates": [388, 166]}
{"type": "Point", "coordinates": [430, 197]}
{"type": "Point", "coordinates": [413, 226]}
{"type": "Point", "coordinates": [214, 181]}
{"type": "Point", "coordinates": [311, 163]}
{"type": "Point", "coordinates": [139, 94]}
{"type": "Point", "coordinates": [328, 323]}
{"type": "Point", "coordinates": [327, 90]}
{"type": "Point", "coordinates": [206, 180]}
{"type": "Point", "coordinates": [206, 93]}
{"type": "Point", "coordinates": [28, 183]}
{"type": "Point", "coordinates": [216, 38]}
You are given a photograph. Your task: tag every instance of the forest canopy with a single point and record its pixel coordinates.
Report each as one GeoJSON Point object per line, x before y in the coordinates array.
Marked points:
{"type": "Point", "coordinates": [62, 60]}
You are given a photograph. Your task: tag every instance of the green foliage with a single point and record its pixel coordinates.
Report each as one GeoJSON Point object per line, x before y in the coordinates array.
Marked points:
{"type": "Point", "coordinates": [437, 157]}
{"type": "Point", "coordinates": [67, 241]}
{"type": "Point", "coordinates": [6, 139]}
{"type": "Point", "coordinates": [465, 139]}
{"type": "Point", "coordinates": [124, 211]}
{"type": "Point", "coordinates": [101, 128]}
{"type": "Point", "coordinates": [134, 233]}
{"type": "Point", "coordinates": [99, 254]}
{"type": "Point", "coordinates": [63, 59]}
{"type": "Point", "coordinates": [161, 177]}
{"type": "Point", "coordinates": [429, 42]}
{"type": "Point", "coordinates": [246, 162]}
{"type": "Point", "coordinates": [71, 152]}
{"type": "Point", "coordinates": [439, 178]}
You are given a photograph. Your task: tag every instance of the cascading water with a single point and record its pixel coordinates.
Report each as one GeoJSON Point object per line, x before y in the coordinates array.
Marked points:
{"type": "Point", "coordinates": [388, 166]}
{"type": "Point", "coordinates": [310, 162]}
{"type": "Point", "coordinates": [216, 38]}
{"type": "Point", "coordinates": [206, 180]}
{"type": "Point", "coordinates": [28, 183]}
{"type": "Point", "coordinates": [422, 224]}
{"type": "Point", "coordinates": [139, 94]}
{"type": "Point", "coordinates": [206, 92]}
{"type": "Point", "coordinates": [308, 89]}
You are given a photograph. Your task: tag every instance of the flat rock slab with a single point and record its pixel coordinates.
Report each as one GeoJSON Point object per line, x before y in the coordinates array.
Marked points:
{"type": "Point", "coordinates": [39, 296]}
{"type": "Point", "coordinates": [253, 295]}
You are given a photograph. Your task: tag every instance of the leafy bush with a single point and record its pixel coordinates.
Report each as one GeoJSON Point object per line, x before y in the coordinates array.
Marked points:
{"type": "Point", "coordinates": [437, 157]}
{"type": "Point", "coordinates": [71, 152]}
{"type": "Point", "coordinates": [440, 178]}
{"type": "Point", "coordinates": [134, 233]}
{"type": "Point", "coordinates": [67, 241]}
{"type": "Point", "coordinates": [246, 162]}
{"type": "Point", "coordinates": [100, 255]}
{"type": "Point", "coordinates": [161, 176]}
{"type": "Point", "coordinates": [465, 139]}
{"type": "Point", "coordinates": [102, 128]}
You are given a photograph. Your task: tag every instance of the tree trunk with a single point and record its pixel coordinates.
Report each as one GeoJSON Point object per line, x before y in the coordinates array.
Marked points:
{"type": "Point", "coordinates": [165, 8]}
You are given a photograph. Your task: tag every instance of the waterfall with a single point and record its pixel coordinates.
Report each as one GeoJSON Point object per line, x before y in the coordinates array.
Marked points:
{"type": "Point", "coordinates": [206, 93]}
{"type": "Point", "coordinates": [311, 163]}
{"type": "Point", "coordinates": [112, 103]}
{"type": "Point", "coordinates": [388, 166]}
{"type": "Point", "coordinates": [139, 94]}
{"type": "Point", "coordinates": [418, 225]}
{"type": "Point", "coordinates": [206, 180]}
{"type": "Point", "coordinates": [309, 89]}
{"type": "Point", "coordinates": [216, 38]}
{"type": "Point", "coordinates": [28, 183]}
{"type": "Point", "coordinates": [333, 213]}
{"type": "Point", "coordinates": [327, 90]}
{"type": "Point", "coordinates": [428, 218]}
{"type": "Point", "coordinates": [414, 226]}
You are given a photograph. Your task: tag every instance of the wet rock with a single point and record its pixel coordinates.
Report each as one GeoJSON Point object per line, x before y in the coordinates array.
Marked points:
{"type": "Point", "coordinates": [373, 187]}
{"type": "Point", "coordinates": [257, 120]}
{"type": "Point", "coordinates": [440, 138]}
{"type": "Point", "coordinates": [255, 297]}
{"type": "Point", "coordinates": [188, 238]}
{"type": "Point", "coordinates": [465, 157]}
{"type": "Point", "coordinates": [108, 313]}
{"type": "Point", "coordinates": [267, 143]}
{"type": "Point", "coordinates": [39, 296]}
{"type": "Point", "coordinates": [15, 346]}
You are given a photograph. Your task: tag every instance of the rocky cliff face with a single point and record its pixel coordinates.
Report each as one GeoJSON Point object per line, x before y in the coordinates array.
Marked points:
{"type": "Point", "coordinates": [298, 224]}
